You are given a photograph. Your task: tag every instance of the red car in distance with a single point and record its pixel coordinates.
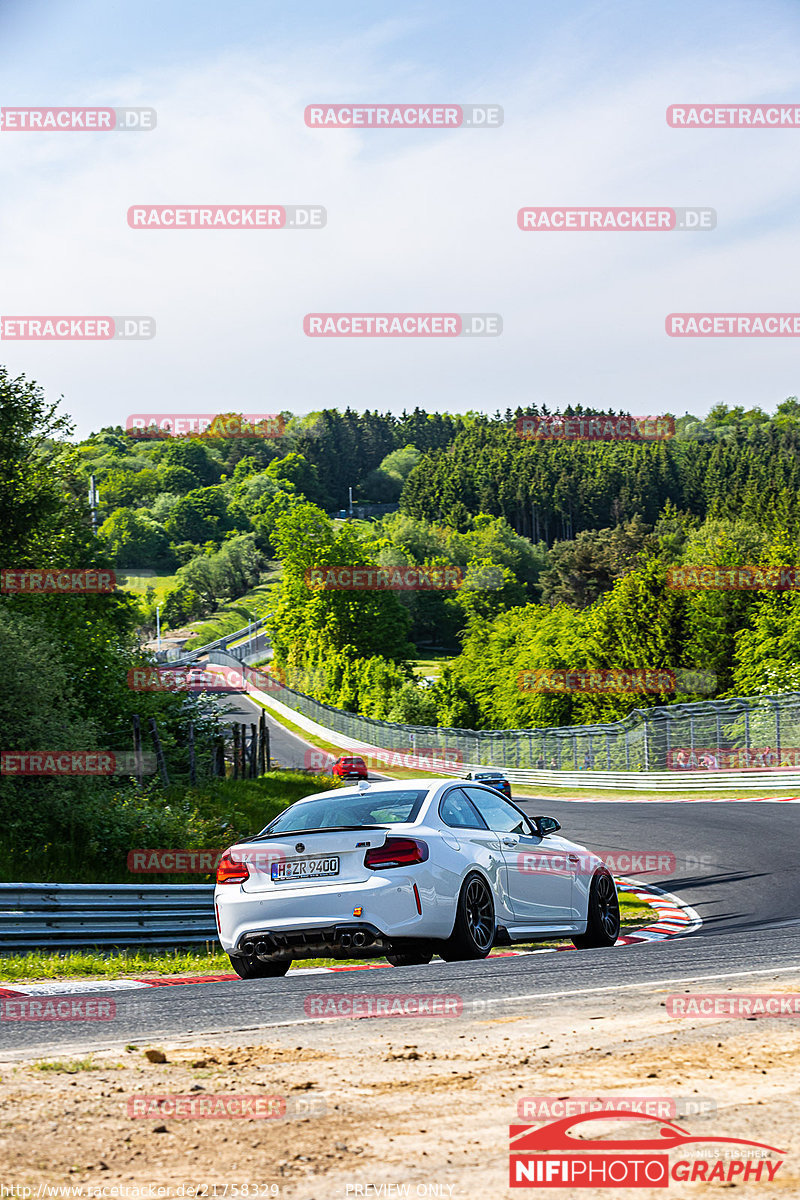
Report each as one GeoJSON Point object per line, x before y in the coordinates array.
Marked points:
{"type": "Point", "coordinates": [350, 768]}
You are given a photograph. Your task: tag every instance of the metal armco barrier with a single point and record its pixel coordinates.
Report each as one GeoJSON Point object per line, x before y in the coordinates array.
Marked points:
{"type": "Point", "coordinates": [68, 916]}
{"type": "Point", "coordinates": [240, 652]}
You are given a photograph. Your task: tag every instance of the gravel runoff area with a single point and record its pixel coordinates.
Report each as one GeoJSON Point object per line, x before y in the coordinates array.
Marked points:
{"type": "Point", "coordinates": [397, 1106]}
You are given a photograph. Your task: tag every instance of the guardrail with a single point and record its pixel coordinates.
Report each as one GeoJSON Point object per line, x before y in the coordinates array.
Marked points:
{"type": "Point", "coordinates": [68, 916]}
{"type": "Point", "coordinates": [223, 643]}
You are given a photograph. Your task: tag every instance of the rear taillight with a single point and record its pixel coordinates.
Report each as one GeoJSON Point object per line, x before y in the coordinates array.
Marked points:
{"type": "Point", "coordinates": [396, 852]}
{"type": "Point", "coordinates": [231, 870]}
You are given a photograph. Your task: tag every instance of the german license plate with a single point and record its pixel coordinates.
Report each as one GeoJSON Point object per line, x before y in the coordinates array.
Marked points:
{"type": "Point", "coordinates": [306, 868]}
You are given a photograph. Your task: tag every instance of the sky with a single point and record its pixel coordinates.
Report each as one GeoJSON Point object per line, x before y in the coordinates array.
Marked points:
{"type": "Point", "coordinates": [417, 220]}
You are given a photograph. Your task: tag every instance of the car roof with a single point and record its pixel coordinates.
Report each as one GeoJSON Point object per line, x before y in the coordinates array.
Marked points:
{"type": "Point", "coordinates": [382, 786]}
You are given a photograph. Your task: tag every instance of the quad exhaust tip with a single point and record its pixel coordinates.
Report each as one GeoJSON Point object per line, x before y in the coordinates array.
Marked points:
{"type": "Point", "coordinates": [268, 946]}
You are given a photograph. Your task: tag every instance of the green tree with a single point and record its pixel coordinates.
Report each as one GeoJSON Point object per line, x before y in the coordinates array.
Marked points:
{"type": "Point", "coordinates": [132, 539]}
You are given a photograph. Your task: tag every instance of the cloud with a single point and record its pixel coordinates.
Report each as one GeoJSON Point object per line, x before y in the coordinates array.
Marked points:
{"type": "Point", "coordinates": [416, 222]}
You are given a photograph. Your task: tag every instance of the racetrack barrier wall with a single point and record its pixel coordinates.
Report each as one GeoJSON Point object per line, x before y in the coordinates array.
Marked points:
{"type": "Point", "coordinates": [56, 916]}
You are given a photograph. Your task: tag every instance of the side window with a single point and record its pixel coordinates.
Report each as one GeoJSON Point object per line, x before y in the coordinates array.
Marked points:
{"type": "Point", "coordinates": [457, 812]}
{"type": "Point", "coordinates": [498, 815]}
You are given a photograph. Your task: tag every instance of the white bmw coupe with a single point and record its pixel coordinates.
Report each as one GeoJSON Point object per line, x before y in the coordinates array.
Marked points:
{"type": "Point", "coordinates": [407, 870]}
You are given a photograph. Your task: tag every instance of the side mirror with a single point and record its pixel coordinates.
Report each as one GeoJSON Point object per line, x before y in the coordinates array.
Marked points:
{"type": "Point", "coordinates": [545, 825]}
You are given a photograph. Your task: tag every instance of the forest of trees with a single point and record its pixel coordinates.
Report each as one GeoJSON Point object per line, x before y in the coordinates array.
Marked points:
{"type": "Point", "coordinates": [66, 659]}
{"type": "Point", "coordinates": [577, 538]}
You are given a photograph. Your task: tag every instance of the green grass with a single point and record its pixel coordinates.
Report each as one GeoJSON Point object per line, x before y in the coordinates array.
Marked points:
{"type": "Point", "coordinates": [97, 964]}
{"type": "Point", "coordinates": [232, 616]}
{"type": "Point", "coordinates": [160, 583]}
{"type": "Point", "coordinates": [431, 667]}
{"type": "Point", "coordinates": [632, 912]}
{"type": "Point", "coordinates": [554, 793]}
{"type": "Point", "coordinates": [72, 1066]}
{"type": "Point", "coordinates": [247, 804]}
{"type": "Point", "coordinates": [210, 816]}
{"type": "Point", "coordinates": [239, 807]}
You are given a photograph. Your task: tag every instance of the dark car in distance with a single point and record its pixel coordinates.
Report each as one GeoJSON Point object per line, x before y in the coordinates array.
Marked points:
{"type": "Point", "coordinates": [492, 779]}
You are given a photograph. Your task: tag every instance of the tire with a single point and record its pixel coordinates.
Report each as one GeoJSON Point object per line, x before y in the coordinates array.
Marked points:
{"type": "Point", "coordinates": [256, 968]}
{"type": "Point", "coordinates": [410, 958]}
{"type": "Point", "coordinates": [474, 931]}
{"type": "Point", "coordinates": [602, 925]}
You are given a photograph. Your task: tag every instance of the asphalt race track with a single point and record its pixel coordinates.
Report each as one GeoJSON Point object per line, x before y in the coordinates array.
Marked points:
{"type": "Point", "coordinates": [284, 748]}
{"type": "Point", "coordinates": [735, 864]}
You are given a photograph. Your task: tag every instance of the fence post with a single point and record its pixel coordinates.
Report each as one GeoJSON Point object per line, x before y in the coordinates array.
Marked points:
{"type": "Point", "coordinates": [243, 749]}
{"type": "Point", "coordinates": [253, 752]}
{"type": "Point", "coordinates": [137, 750]}
{"type": "Point", "coordinates": [192, 764]}
{"type": "Point", "coordinates": [262, 721]}
{"type": "Point", "coordinates": [159, 752]}
{"type": "Point", "coordinates": [747, 728]}
{"type": "Point", "coordinates": [236, 750]}
{"type": "Point", "coordinates": [667, 736]}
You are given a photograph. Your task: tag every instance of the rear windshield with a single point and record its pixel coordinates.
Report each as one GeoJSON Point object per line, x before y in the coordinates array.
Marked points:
{"type": "Point", "coordinates": [362, 810]}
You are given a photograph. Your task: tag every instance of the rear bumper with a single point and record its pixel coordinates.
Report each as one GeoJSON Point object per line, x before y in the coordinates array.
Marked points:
{"type": "Point", "coordinates": [305, 914]}
{"type": "Point", "coordinates": [330, 941]}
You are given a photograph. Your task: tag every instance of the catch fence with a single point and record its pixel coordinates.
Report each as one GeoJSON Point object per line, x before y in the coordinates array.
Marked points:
{"type": "Point", "coordinates": [739, 734]}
